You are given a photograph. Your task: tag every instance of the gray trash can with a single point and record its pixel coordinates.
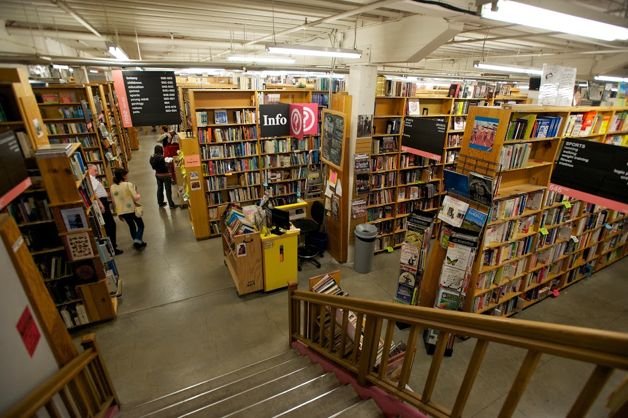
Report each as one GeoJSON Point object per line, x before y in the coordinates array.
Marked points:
{"type": "Point", "coordinates": [364, 247]}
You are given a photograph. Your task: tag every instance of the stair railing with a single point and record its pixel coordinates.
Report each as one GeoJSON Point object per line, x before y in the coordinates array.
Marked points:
{"type": "Point", "coordinates": [324, 323]}
{"type": "Point", "coordinates": [81, 388]}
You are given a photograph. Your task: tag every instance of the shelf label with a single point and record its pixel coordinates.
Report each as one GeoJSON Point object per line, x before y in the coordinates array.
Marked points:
{"type": "Point", "coordinates": [543, 231]}
{"type": "Point", "coordinates": [389, 249]}
{"type": "Point", "coordinates": [567, 204]}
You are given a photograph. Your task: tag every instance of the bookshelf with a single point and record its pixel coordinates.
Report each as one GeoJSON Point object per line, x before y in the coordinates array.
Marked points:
{"type": "Point", "coordinates": [73, 255]}
{"type": "Point", "coordinates": [113, 118]}
{"type": "Point", "coordinates": [536, 241]}
{"type": "Point", "coordinates": [69, 113]}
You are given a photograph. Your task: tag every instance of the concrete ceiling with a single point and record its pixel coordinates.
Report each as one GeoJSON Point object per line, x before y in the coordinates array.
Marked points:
{"type": "Point", "coordinates": [398, 35]}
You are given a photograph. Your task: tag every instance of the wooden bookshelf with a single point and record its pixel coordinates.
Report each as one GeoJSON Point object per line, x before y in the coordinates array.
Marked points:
{"type": "Point", "coordinates": [73, 254]}
{"type": "Point", "coordinates": [537, 241]}
{"type": "Point", "coordinates": [76, 104]}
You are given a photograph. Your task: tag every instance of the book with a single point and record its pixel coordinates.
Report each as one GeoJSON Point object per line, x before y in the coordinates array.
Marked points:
{"type": "Point", "coordinates": [453, 211]}
{"type": "Point", "coordinates": [220, 117]}
{"type": "Point", "coordinates": [474, 220]}
{"type": "Point", "coordinates": [481, 188]}
{"type": "Point", "coordinates": [448, 299]}
{"type": "Point", "coordinates": [456, 183]}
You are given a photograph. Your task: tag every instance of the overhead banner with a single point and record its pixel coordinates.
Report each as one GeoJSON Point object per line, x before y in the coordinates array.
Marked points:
{"type": "Point", "coordinates": [303, 119]}
{"type": "Point", "coordinates": [424, 137]}
{"type": "Point", "coordinates": [273, 119]}
{"type": "Point", "coordinates": [123, 104]}
{"type": "Point", "coordinates": [152, 97]}
{"type": "Point", "coordinates": [593, 172]}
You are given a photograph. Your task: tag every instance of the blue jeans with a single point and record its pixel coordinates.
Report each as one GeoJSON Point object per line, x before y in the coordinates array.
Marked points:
{"type": "Point", "coordinates": [164, 182]}
{"type": "Point", "coordinates": [136, 226]}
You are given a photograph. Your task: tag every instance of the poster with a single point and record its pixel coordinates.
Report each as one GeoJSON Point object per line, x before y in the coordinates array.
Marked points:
{"type": "Point", "coordinates": [483, 135]}
{"type": "Point", "coordinates": [365, 125]}
{"type": "Point", "coordinates": [79, 246]}
{"type": "Point", "coordinates": [557, 85]}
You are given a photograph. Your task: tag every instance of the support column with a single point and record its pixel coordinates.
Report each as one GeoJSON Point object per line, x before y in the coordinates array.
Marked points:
{"type": "Point", "coordinates": [361, 86]}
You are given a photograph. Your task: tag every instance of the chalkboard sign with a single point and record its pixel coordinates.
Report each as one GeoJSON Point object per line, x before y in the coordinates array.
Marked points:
{"type": "Point", "coordinates": [333, 134]}
{"type": "Point", "coordinates": [424, 137]}
{"type": "Point", "coordinates": [152, 97]}
{"type": "Point", "coordinates": [593, 172]}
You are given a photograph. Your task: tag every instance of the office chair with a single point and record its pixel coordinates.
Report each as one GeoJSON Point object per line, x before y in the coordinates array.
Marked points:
{"type": "Point", "coordinates": [314, 241]}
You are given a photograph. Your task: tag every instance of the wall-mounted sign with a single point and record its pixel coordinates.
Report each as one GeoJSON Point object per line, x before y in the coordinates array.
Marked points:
{"type": "Point", "coordinates": [332, 138]}
{"type": "Point", "coordinates": [303, 119]}
{"type": "Point", "coordinates": [424, 137]}
{"type": "Point", "coordinates": [152, 97]}
{"type": "Point", "coordinates": [123, 104]}
{"type": "Point", "coordinates": [593, 172]}
{"type": "Point", "coordinates": [274, 119]}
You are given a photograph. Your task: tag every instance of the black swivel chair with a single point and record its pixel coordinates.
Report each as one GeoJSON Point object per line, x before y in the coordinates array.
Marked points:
{"type": "Point", "coordinates": [314, 241]}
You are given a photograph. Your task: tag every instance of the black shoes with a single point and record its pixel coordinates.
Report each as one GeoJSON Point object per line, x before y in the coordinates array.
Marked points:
{"type": "Point", "coordinates": [117, 251]}
{"type": "Point", "coordinates": [139, 246]}
{"type": "Point", "coordinates": [174, 206]}
{"type": "Point", "coordinates": [162, 204]}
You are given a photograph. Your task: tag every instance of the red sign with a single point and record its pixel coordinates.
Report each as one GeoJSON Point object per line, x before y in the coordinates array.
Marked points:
{"type": "Point", "coordinates": [27, 327]}
{"type": "Point", "coordinates": [118, 86]}
{"type": "Point", "coordinates": [303, 119]}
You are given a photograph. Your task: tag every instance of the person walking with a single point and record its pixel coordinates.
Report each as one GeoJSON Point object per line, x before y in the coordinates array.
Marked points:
{"type": "Point", "coordinates": [162, 174]}
{"type": "Point", "coordinates": [105, 208]}
{"type": "Point", "coordinates": [126, 201]}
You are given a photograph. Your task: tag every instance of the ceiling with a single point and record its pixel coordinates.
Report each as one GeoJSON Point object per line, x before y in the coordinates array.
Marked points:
{"type": "Point", "coordinates": [398, 35]}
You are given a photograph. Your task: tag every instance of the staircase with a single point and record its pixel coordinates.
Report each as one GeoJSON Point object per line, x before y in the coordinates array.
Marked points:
{"type": "Point", "coordinates": [288, 385]}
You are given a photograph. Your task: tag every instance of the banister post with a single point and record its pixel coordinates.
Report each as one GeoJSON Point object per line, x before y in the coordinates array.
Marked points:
{"type": "Point", "coordinates": [367, 352]}
{"type": "Point", "coordinates": [89, 342]}
{"type": "Point", "coordinates": [292, 312]}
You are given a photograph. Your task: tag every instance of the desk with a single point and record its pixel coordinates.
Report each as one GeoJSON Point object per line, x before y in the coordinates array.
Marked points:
{"type": "Point", "coordinates": [280, 259]}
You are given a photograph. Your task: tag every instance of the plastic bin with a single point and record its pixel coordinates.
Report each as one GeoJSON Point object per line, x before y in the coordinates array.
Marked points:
{"type": "Point", "coordinates": [365, 235]}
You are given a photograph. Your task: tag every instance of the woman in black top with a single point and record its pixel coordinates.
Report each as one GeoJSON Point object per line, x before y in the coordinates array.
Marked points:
{"type": "Point", "coordinates": [162, 174]}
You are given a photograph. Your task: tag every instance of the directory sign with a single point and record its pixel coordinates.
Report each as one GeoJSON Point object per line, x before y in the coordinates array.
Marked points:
{"type": "Point", "coordinates": [152, 97]}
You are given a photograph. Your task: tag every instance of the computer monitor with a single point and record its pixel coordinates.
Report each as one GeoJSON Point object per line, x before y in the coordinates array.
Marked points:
{"type": "Point", "coordinates": [280, 219]}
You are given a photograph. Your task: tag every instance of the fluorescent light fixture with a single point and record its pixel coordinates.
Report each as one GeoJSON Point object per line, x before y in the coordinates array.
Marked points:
{"type": "Point", "coordinates": [118, 53]}
{"type": "Point", "coordinates": [60, 67]}
{"type": "Point", "coordinates": [507, 68]}
{"type": "Point", "coordinates": [312, 51]}
{"type": "Point", "coordinates": [94, 71]}
{"type": "Point", "coordinates": [537, 17]}
{"type": "Point", "coordinates": [200, 71]}
{"type": "Point", "coordinates": [611, 78]}
{"type": "Point", "coordinates": [260, 59]}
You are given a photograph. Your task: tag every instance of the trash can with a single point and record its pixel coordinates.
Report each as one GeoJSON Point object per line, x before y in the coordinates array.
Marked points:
{"type": "Point", "coordinates": [364, 247]}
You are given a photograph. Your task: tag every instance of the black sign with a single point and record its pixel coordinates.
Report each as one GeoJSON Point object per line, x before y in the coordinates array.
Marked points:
{"type": "Point", "coordinates": [152, 97]}
{"type": "Point", "coordinates": [424, 136]}
{"type": "Point", "coordinates": [333, 132]}
{"type": "Point", "coordinates": [274, 119]}
{"type": "Point", "coordinates": [594, 168]}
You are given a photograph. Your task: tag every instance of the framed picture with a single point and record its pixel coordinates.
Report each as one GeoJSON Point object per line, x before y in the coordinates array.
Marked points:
{"type": "Point", "coordinates": [79, 246]}
{"type": "Point", "coordinates": [333, 132]}
{"type": "Point", "coordinates": [365, 125]}
{"type": "Point", "coordinates": [74, 218]}
{"type": "Point", "coordinates": [241, 250]}
{"type": "Point", "coordinates": [220, 117]}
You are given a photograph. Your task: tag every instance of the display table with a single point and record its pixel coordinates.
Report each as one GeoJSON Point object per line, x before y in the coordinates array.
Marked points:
{"type": "Point", "coordinates": [280, 259]}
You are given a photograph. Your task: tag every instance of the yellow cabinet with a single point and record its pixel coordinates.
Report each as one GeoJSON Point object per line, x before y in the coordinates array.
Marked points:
{"type": "Point", "coordinates": [280, 259]}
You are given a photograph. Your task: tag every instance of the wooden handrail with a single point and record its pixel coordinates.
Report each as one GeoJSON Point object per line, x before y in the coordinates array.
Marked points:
{"type": "Point", "coordinates": [314, 322]}
{"type": "Point", "coordinates": [83, 385]}
{"type": "Point", "coordinates": [603, 347]}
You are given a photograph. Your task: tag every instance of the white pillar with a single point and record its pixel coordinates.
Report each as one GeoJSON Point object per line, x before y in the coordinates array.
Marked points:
{"type": "Point", "coordinates": [361, 86]}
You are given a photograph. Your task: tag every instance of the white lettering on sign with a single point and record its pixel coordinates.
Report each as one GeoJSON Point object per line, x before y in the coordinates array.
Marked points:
{"type": "Point", "coordinates": [279, 119]}
{"type": "Point", "coordinates": [308, 119]}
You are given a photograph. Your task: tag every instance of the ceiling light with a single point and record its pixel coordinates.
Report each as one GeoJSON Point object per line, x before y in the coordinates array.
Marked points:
{"type": "Point", "coordinates": [260, 59]}
{"type": "Point", "coordinates": [537, 17]}
{"type": "Point", "coordinates": [200, 71]}
{"type": "Point", "coordinates": [60, 67]}
{"type": "Point", "coordinates": [507, 68]}
{"type": "Point", "coordinates": [312, 51]}
{"type": "Point", "coordinates": [118, 53]}
{"type": "Point", "coordinates": [611, 78]}
{"type": "Point", "coordinates": [93, 71]}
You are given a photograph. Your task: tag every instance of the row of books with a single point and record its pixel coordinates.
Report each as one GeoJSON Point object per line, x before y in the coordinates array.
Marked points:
{"type": "Point", "coordinates": [386, 87]}
{"type": "Point", "coordinates": [66, 128]}
{"type": "Point", "coordinates": [384, 144]}
{"type": "Point", "coordinates": [532, 126]}
{"type": "Point", "coordinates": [335, 84]}
{"type": "Point", "coordinates": [553, 235]}
{"type": "Point", "coordinates": [454, 140]}
{"type": "Point", "coordinates": [383, 163]}
{"type": "Point", "coordinates": [296, 187]}
{"type": "Point", "coordinates": [556, 215]}
{"type": "Point", "coordinates": [499, 255]}
{"type": "Point", "coordinates": [86, 141]}
{"type": "Point", "coordinates": [285, 174]}
{"type": "Point", "coordinates": [322, 99]}
{"type": "Point", "coordinates": [462, 107]}
{"type": "Point", "coordinates": [382, 243]}
{"type": "Point", "coordinates": [93, 155]}
{"type": "Point", "coordinates": [29, 209]}
{"type": "Point", "coordinates": [69, 112]}
{"type": "Point", "coordinates": [56, 97]}
{"type": "Point", "coordinates": [381, 197]}
{"type": "Point", "coordinates": [74, 315]}
{"type": "Point", "coordinates": [621, 140]}
{"type": "Point", "coordinates": [416, 192]}
{"type": "Point", "coordinates": [244, 194]}
{"type": "Point", "coordinates": [278, 161]}
{"type": "Point", "coordinates": [78, 165]}
{"type": "Point", "coordinates": [515, 206]}
{"type": "Point", "coordinates": [424, 204]}
{"type": "Point", "coordinates": [211, 168]}
{"type": "Point", "coordinates": [415, 176]}
{"type": "Point", "coordinates": [502, 274]}
{"type": "Point", "coordinates": [380, 212]}
{"type": "Point", "coordinates": [204, 118]}
{"type": "Point", "coordinates": [410, 160]}
{"type": "Point", "coordinates": [272, 146]}
{"type": "Point", "coordinates": [451, 156]}
{"type": "Point", "coordinates": [223, 182]}
{"type": "Point", "coordinates": [514, 156]}
{"type": "Point", "coordinates": [378, 181]}
{"type": "Point", "coordinates": [386, 227]}
{"type": "Point", "coordinates": [239, 133]}
{"type": "Point", "coordinates": [471, 89]}
{"type": "Point", "coordinates": [241, 149]}
{"type": "Point", "coordinates": [506, 231]}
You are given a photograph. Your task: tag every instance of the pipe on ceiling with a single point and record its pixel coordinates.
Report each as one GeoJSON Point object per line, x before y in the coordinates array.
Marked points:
{"type": "Point", "coordinates": [63, 6]}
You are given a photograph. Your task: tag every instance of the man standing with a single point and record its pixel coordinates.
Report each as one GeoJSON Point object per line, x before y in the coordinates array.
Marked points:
{"type": "Point", "coordinates": [105, 208]}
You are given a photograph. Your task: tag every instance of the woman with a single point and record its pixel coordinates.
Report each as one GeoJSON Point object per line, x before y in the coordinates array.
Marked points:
{"type": "Point", "coordinates": [125, 200]}
{"type": "Point", "coordinates": [162, 174]}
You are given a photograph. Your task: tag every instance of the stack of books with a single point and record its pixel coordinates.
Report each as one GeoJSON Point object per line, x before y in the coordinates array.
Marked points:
{"type": "Point", "coordinates": [237, 223]}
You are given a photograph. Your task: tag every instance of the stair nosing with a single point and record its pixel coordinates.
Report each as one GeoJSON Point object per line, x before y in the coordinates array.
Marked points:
{"type": "Point", "coordinates": [209, 380]}
{"type": "Point", "coordinates": [276, 395]}
{"type": "Point", "coordinates": [310, 401]}
{"type": "Point", "coordinates": [337, 414]}
{"type": "Point", "coordinates": [245, 391]}
{"type": "Point", "coordinates": [183, 401]}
